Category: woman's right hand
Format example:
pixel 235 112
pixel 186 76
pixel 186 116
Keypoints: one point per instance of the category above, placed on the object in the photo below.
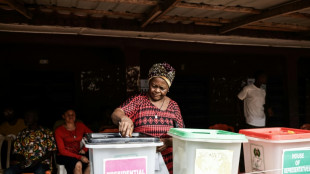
pixel 125 126
pixel 84 159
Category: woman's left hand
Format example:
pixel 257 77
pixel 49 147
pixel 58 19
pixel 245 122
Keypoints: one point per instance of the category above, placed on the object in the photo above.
pixel 84 159
pixel 167 143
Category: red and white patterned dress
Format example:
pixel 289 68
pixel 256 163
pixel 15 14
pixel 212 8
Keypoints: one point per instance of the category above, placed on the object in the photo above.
pixel 142 112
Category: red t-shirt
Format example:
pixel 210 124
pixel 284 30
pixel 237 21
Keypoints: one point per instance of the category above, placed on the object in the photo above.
pixel 68 142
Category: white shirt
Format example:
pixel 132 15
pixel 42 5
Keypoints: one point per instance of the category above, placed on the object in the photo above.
pixel 254 100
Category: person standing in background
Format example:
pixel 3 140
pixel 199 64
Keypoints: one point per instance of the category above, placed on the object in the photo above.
pixel 253 96
pixel 9 129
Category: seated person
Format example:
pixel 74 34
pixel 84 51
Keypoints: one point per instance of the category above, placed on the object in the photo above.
pixel 33 147
pixel 8 131
pixel 12 125
pixel 68 139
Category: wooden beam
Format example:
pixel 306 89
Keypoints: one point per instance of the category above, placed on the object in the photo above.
pixel 271 26
pixel 151 16
pixel 292 27
pixel 209 24
pixel 298 15
pixel 158 11
pixel 196 20
pixel 19 6
pixel 267 14
pixel 238 9
pixel 268 26
pixel 258 27
pixel 140 2
pixel 90 12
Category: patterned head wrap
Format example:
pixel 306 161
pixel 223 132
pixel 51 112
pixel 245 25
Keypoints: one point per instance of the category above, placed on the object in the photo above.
pixel 164 71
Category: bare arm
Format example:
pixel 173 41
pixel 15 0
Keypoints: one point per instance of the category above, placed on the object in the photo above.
pixel 125 124
pixel 167 143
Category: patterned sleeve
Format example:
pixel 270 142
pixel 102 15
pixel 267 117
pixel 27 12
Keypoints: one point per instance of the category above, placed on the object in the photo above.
pixel 18 149
pixel 51 144
pixel 131 106
pixel 179 119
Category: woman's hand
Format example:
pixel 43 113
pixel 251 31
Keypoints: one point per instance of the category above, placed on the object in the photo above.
pixel 125 126
pixel 25 164
pixel 167 143
pixel 82 152
pixel 84 159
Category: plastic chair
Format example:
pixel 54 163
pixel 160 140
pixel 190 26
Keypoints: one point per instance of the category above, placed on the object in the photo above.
pixel 61 169
pixel 222 127
pixel 9 140
pixel 2 138
pixel 9 143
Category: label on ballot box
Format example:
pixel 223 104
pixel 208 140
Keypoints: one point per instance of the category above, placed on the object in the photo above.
pixel 213 161
pixel 296 161
pixel 134 165
pixel 257 157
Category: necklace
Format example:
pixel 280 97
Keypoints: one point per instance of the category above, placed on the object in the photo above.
pixel 71 132
pixel 159 109
pixel 74 136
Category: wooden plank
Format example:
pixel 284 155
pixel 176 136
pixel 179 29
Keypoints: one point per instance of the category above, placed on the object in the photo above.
pixel 158 11
pixel 298 15
pixel 19 6
pixel 267 14
pixel 196 20
pixel 208 24
pixel 292 27
pixel 238 9
pixel 90 12
pixel 139 2
pixel 276 27
pixel 258 26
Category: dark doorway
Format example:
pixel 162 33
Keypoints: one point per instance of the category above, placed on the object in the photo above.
pixel 47 91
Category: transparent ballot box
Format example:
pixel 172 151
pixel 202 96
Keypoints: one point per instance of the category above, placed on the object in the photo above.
pixel 201 151
pixel 277 150
pixel 110 153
